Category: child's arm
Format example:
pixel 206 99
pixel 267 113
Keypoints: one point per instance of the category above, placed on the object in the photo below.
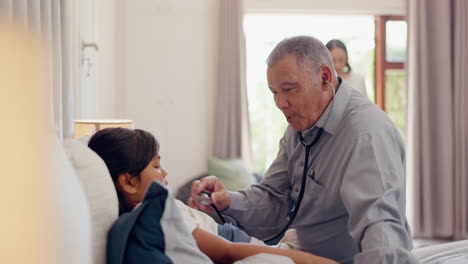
pixel 222 251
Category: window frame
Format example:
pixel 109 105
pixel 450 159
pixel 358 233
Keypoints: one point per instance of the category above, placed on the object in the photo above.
pixel 381 63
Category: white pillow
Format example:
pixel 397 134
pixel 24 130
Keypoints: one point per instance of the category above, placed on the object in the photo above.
pixel 100 193
pixel 70 212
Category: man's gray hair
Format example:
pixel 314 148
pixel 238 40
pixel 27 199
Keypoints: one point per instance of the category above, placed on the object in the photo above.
pixel 310 52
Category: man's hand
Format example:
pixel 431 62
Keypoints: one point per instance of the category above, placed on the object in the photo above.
pixel 219 195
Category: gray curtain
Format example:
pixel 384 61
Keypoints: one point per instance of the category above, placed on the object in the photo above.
pixel 438 117
pixel 47 18
pixel 231 115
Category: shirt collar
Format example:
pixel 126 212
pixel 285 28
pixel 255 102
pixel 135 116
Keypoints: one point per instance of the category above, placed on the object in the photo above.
pixel 336 107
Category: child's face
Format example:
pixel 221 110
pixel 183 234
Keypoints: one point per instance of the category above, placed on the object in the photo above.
pixel 152 172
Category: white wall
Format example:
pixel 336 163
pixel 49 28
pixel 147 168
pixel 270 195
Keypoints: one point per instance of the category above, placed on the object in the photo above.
pixel 167 57
pixel 373 7
pixel 106 37
pixel 96 95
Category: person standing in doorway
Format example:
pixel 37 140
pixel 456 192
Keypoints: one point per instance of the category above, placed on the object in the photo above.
pixel 339 54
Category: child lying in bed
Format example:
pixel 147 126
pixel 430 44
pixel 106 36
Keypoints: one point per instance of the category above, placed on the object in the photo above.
pixel 132 157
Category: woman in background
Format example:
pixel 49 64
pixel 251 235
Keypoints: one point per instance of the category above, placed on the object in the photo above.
pixel 339 54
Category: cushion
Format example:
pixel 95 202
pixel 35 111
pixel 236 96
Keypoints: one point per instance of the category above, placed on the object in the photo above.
pixel 153 232
pixel 100 193
pixel 232 173
pixel 69 209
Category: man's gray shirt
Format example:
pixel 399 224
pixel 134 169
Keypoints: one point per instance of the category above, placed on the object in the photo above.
pixel 354 201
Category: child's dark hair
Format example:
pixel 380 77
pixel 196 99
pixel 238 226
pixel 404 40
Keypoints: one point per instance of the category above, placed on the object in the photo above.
pixel 124 151
pixel 336 43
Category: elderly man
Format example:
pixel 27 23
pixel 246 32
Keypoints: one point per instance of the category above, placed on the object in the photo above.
pixel 341 164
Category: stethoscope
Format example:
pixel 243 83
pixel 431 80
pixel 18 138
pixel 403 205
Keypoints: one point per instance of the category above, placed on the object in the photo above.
pixel 308 147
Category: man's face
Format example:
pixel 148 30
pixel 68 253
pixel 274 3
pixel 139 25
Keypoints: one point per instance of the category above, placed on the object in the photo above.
pixel 295 94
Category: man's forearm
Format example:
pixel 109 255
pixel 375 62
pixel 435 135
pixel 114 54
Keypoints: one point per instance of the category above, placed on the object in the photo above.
pixel 256 207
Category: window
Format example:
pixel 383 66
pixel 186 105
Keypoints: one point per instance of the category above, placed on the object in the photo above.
pixel 390 76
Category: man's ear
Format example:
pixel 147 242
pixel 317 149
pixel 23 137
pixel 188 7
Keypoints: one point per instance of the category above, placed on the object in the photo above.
pixel 128 183
pixel 326 76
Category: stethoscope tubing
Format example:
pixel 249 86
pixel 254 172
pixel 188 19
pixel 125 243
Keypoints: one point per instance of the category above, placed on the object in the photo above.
pixel 292 216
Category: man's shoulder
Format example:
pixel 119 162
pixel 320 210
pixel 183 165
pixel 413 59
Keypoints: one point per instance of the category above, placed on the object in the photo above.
pixel 364 117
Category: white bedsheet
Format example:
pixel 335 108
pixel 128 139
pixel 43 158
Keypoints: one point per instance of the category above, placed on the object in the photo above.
pixel 447 253
pixel 265 258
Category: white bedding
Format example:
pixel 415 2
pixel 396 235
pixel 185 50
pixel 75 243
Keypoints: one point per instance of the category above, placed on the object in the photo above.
pixel 447 253
pixel 265 258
